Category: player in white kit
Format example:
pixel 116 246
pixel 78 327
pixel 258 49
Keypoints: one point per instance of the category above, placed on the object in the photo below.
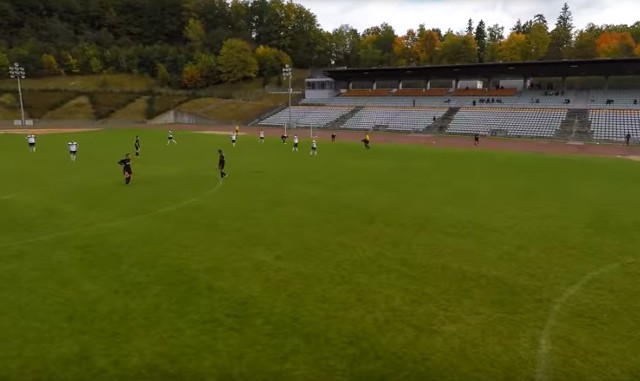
pixel 261 136
pixel 314 148
pixel 295 143
pixel 31 140
pixel 73 149
pixel 170 138
pixel 233 138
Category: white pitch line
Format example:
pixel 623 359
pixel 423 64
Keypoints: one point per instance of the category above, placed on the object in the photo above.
pixel 542 368
pixel 117 222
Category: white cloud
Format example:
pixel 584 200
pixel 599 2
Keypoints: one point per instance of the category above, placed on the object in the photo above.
pixel 453 14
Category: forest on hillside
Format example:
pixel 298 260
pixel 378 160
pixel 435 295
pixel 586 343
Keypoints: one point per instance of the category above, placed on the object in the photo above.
pixel 198 43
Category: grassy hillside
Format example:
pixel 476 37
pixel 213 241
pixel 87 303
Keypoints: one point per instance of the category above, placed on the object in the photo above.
pixel 105 104
pixel 231 110
pixel 119 82
pixel 110 92
pixel 78 108
pixel 38 103
pixel 399 263
pixel 134 111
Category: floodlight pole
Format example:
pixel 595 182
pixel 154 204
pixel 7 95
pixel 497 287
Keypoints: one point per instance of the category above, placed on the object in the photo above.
pixel 287 72
pixel 17 72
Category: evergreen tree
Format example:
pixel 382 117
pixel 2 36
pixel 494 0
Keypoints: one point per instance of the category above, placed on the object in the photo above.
pixel 481 40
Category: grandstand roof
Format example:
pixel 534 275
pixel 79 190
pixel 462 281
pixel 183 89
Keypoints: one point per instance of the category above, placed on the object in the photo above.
pixel 565 68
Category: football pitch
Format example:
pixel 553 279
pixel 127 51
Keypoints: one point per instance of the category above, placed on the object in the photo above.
pixel 404 262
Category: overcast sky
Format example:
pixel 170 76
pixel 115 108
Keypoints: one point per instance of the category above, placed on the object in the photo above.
pixel 445 14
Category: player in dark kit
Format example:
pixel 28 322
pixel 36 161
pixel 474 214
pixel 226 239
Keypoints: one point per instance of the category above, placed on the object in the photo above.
pixel 284 138
pixel 137 146
pixel 476 139
pixel 126 168
pixel 333 137
pixel 221 163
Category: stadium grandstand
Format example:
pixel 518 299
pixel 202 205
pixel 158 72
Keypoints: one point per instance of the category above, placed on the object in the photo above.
pixel 569 99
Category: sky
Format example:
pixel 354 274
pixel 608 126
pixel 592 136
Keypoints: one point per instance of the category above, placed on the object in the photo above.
pixel 453 14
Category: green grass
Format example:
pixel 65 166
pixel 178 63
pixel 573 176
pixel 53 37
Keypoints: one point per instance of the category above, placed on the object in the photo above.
pixel 77 108
pixel 106 104
pixel 398 263
pixel 120 82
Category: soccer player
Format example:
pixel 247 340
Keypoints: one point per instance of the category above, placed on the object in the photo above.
pixel 233 139
pixel 237 129
pixel 171 138
pixel 73 150
pixel 314 148
pixel 366 141
pixel 126 168
pixel 284 138
pixel 476 139
pixel 261 136
pixel 137 146
pixel 333 137
pixel 221 163
pixel 295 143
pixel 31 140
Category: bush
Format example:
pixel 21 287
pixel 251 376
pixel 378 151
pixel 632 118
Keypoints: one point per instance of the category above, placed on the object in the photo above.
pixel 9 101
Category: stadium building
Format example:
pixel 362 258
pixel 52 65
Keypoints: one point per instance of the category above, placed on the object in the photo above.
pixel 570 99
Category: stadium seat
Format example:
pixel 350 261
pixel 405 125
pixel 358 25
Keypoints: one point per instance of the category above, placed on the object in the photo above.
pixel 392 118
pixel 306 116
pixel 516 122
pixel 614 125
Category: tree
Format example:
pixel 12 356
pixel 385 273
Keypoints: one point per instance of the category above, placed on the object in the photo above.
pixel 458 48
pixel 345 43
pixel 194 32
pixel 428 46
pixel 496 36
pixel 162 75
pixel 481 40
pixel 270 61
pixel 192 77
pixel 585 43
pixel 206 64
pixel 615 45
pixel 96 65
pixel 496 33
pixel 368 54
pixel 71 64
pixel 517 28
pixel 514 48
pixel 50 65
pixel 636 51
pixel 469 26
pixel 377 45
pixel 4 65
pixel 405 49
pixel 561 36
pixel 538 40
pixel 540 19
pixel 236 61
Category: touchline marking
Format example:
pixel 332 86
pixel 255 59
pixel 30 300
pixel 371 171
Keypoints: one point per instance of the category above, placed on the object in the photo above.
pixel 542 373
pixel 118 222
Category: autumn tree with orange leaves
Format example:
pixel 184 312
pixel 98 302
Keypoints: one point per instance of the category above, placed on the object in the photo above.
pixel 615 45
